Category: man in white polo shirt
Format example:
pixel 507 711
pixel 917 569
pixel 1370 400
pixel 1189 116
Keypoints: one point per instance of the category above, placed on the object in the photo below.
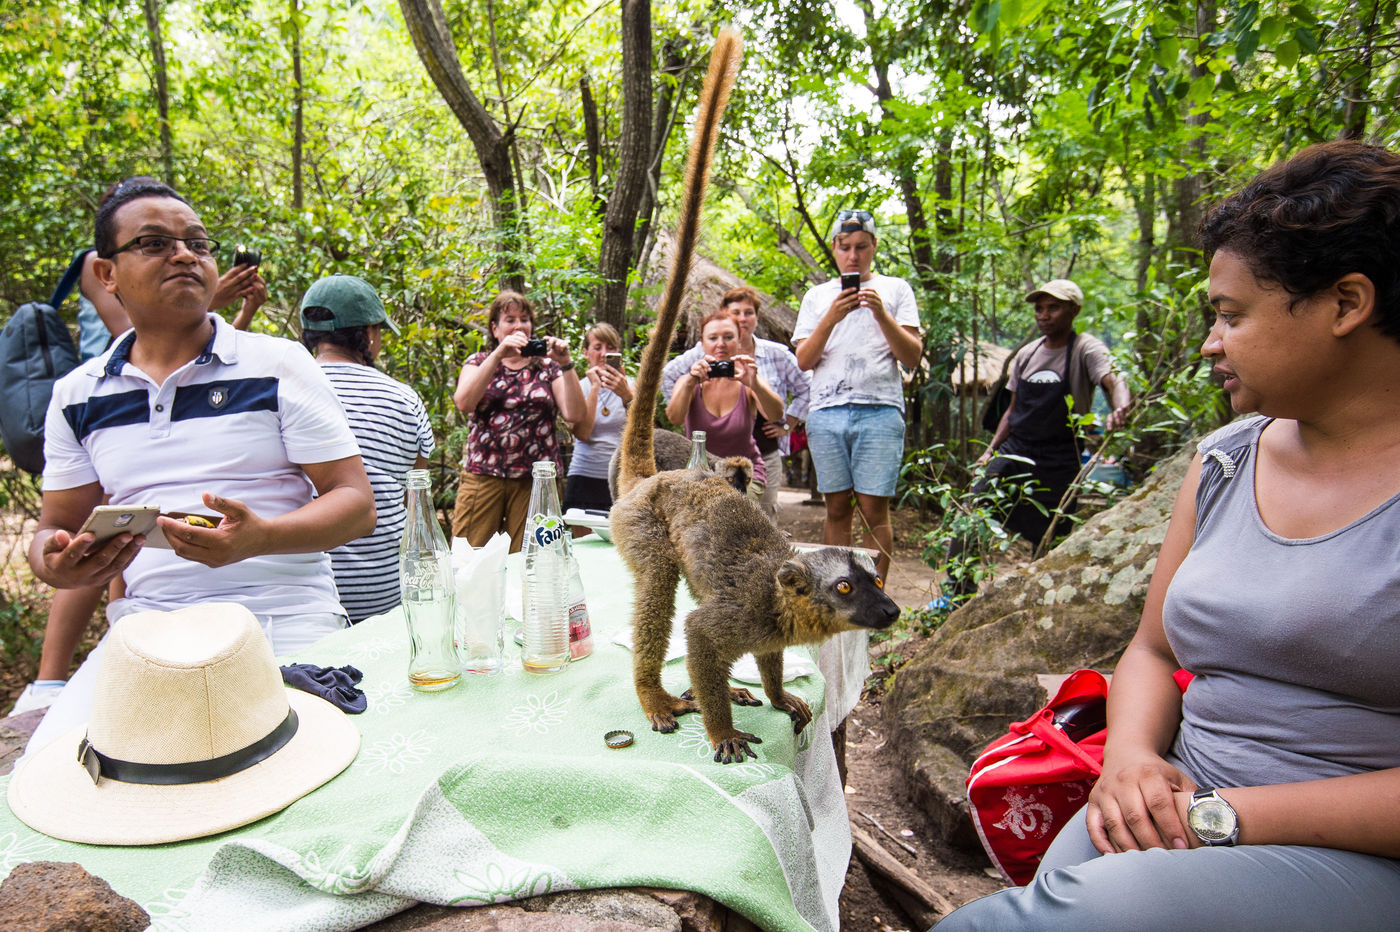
pixel 188 414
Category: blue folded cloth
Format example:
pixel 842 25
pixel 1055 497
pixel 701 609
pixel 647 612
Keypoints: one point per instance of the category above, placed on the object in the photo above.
pixel 336 685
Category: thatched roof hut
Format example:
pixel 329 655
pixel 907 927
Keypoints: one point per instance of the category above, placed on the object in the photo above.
pixel 704 287
pixel 980 368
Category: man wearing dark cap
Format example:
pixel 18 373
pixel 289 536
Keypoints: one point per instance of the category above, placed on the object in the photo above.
pixel 1050 379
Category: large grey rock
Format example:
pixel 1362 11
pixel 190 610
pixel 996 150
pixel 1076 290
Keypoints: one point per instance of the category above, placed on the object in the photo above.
pixel 1076 607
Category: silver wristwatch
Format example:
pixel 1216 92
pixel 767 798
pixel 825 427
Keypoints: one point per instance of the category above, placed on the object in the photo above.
pixel 1214 820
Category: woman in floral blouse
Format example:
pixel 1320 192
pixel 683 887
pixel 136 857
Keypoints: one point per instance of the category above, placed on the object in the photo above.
pixel 514 400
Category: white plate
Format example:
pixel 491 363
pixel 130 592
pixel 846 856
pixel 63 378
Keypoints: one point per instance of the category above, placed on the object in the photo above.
pixel 598 524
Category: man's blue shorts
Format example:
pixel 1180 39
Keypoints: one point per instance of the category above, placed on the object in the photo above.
pixel 858 447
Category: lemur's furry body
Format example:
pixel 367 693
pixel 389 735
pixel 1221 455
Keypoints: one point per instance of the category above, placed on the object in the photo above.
pixel 755 593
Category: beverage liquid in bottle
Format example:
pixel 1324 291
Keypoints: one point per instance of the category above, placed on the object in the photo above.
pixel 580 628
pixel 698 461
pixel 425 580
pixel 546 577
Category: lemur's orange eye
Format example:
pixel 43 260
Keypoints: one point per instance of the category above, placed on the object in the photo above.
pixel 879 582
pixel 843 587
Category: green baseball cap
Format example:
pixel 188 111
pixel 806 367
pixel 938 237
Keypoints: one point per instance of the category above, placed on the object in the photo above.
pixel 351 301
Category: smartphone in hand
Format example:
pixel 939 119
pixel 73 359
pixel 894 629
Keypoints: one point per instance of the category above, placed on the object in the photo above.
pixel 850 280
pixel 614 360
pixel 107 521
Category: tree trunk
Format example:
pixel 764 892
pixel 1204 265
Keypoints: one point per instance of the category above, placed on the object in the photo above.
pixel 1184 221
pixel 428 26
pixel 920 237
pixel 298 104
pixel 167 145
pixel 633 156
pixel 1145 206
pixel 590 138
pixel 663 120
pixel 1355 92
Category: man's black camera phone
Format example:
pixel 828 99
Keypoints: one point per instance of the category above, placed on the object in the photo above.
pixel 722 369
pixel 535 347
pixel 246 255
pixel 850 280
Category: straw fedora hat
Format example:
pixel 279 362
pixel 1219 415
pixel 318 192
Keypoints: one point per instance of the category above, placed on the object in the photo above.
pixel 192 733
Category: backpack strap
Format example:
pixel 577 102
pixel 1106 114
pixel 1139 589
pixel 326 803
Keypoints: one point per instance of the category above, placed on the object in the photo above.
pixel 69 279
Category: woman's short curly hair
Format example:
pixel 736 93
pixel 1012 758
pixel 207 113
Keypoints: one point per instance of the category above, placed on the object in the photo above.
pixel 1332 209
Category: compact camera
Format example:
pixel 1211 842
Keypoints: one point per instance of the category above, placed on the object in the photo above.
pixel 850 280
pixel 246 255
pixel 535 347
pixel 722 369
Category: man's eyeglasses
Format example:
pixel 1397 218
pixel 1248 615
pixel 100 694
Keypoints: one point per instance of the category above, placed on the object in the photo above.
pixel 157 245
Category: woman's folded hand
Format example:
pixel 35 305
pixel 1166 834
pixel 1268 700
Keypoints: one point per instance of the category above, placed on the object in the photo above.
pixel 1132 807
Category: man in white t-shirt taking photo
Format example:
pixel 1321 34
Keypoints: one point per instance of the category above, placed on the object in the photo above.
pixel 853 333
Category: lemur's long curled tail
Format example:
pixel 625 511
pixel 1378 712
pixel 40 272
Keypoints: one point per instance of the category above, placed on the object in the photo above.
pixel 637 453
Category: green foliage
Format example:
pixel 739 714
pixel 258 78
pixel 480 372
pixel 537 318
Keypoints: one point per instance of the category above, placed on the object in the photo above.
pixel 1017 140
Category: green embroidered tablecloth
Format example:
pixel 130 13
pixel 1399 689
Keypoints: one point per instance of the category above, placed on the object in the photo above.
pixel 502 788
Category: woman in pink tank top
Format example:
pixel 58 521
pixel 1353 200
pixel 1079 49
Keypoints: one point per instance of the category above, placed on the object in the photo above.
pixel 723 401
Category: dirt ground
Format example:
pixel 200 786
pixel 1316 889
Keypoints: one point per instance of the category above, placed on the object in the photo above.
pixel 875 793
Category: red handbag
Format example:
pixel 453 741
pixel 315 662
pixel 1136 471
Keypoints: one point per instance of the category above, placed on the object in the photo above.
pixel 1026 783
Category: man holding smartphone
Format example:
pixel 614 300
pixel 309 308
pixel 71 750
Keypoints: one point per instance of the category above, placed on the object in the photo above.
pixel 851 334
pixel 189 414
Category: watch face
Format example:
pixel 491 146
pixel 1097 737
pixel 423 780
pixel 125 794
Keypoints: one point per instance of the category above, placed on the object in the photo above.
pixel 1212 820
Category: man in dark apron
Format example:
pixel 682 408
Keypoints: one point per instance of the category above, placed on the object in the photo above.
pixel 1051 378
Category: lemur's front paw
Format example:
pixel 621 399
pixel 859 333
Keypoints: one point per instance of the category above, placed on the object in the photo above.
pixel 663 710
pixel 798 710
pixel 734 748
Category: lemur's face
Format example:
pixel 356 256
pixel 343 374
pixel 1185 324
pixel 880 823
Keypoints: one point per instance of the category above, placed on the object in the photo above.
pixel 841 589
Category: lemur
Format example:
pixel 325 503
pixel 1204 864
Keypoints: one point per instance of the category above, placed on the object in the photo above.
pixel 755 593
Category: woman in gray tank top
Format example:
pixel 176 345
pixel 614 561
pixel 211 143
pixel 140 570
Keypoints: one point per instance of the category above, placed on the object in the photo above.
pixel 1265 796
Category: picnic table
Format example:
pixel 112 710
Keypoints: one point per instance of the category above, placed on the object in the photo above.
pixel 503 788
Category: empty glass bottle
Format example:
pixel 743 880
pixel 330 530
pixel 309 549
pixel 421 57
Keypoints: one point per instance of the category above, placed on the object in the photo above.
pixel 698 460
pixel 425 579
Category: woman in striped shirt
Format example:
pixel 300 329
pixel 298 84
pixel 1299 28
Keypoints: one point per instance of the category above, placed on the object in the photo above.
pixel 341 324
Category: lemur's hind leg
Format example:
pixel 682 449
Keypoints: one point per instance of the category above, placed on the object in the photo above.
pixel 653 606
pixel 709 680
pixel 737 695
pixel 770 670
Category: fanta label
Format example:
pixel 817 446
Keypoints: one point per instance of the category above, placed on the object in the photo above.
pixel 548 531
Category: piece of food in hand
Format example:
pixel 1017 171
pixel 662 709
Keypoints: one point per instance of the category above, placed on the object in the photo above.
pixel 198 521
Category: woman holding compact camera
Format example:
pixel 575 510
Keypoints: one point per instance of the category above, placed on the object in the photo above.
pixel 514 392
pixel 722 393
pixel 598 432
